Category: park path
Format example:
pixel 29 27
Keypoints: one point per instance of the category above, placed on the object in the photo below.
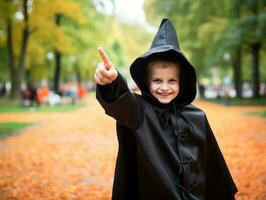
pixel 71 156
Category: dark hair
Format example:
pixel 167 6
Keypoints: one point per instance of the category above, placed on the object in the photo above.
pixel 168 56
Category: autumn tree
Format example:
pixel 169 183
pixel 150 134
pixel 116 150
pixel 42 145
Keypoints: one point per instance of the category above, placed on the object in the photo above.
pixel 15 61
pixel 58 40
pixel 28 18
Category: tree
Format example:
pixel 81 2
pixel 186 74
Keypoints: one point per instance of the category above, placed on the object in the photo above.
pixel 16 69
pixel 82 29
pixel 36 19
pixel 254 29
pixel 72 11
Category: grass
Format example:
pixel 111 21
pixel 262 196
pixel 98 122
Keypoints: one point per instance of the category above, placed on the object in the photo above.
pixel 7 128
pixel 240 101
pixel 8 106
pixel 260 113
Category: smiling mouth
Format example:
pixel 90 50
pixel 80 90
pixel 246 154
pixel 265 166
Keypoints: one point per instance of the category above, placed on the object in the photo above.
pixel 164 94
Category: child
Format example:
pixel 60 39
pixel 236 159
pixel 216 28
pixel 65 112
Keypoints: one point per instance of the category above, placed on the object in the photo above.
pixel 167 150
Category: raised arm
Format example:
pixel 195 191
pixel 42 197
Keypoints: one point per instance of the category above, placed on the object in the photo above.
pixel 114 96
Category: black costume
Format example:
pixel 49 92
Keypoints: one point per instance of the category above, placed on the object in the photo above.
pixel 166 151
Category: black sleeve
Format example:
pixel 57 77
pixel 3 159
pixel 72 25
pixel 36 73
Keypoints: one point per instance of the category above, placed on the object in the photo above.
pixel 119 103
pixel 219 182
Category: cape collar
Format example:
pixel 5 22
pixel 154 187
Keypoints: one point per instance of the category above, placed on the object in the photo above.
pixel 169 113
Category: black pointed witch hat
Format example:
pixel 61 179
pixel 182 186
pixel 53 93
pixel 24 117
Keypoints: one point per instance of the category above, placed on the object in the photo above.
pixel 166 45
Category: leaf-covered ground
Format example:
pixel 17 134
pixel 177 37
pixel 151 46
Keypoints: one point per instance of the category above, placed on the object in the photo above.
pixel 71 156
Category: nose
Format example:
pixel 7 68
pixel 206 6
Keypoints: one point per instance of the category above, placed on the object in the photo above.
pixel 164 86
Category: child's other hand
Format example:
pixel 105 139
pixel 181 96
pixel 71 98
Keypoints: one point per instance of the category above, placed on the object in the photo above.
pixel 105 72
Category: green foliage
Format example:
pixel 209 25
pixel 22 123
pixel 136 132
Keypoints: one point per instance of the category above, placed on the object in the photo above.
pixel 208 29
pixel 82 29
pixel 117 48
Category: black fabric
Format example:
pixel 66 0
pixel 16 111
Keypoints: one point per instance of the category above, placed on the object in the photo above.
pixel 166 151
pixel 156 162
pixel 112 96
pixel 166 35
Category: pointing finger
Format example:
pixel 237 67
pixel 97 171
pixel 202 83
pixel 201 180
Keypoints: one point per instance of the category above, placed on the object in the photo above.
pixel 104 57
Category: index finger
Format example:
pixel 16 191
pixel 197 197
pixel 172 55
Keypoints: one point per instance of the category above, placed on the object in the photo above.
pixel 104 56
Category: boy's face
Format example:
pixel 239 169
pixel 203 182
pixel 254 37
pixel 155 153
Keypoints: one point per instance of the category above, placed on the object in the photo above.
pixel 163 80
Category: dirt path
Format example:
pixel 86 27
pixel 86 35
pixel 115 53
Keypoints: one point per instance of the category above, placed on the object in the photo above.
pixel 72 155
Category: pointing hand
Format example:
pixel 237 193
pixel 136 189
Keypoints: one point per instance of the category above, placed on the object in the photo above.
pixel 105 72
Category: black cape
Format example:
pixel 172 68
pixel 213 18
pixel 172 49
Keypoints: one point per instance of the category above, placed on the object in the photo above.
pixel 166 152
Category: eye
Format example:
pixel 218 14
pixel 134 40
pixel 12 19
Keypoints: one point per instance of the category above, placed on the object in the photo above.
pixel 156 81
pixel 173 81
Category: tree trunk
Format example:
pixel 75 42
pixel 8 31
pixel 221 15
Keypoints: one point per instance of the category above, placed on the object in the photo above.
pixel 15 87
pixel 24 44
pixel 237 72
pixel 58 56
pixel 17 73
pixel 255 48
pixel 57 71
